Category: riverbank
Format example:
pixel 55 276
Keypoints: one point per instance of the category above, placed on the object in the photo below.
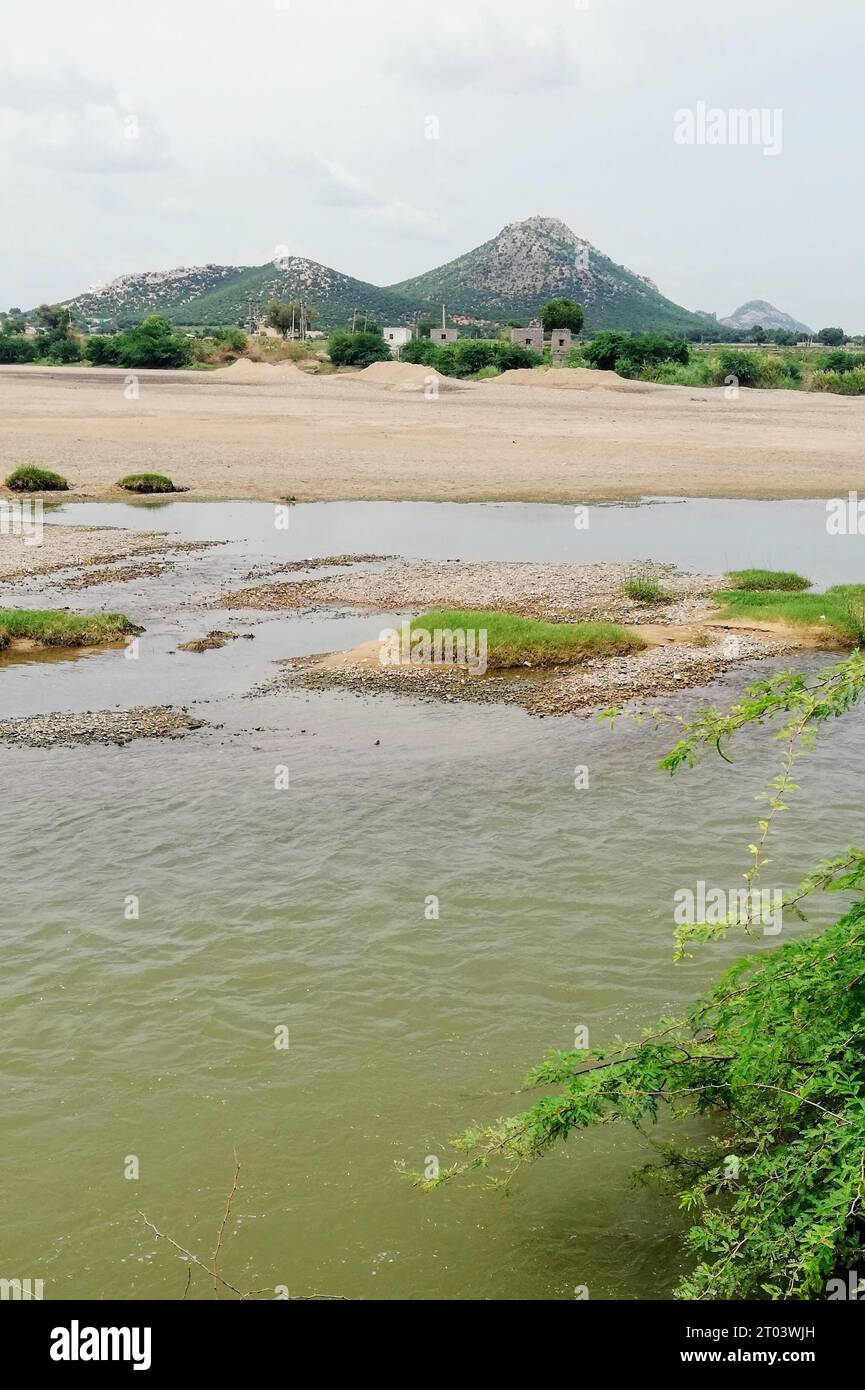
pixel 345 437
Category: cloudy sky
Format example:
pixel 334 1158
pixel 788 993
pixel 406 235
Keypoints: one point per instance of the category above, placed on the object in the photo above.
pixel 382 137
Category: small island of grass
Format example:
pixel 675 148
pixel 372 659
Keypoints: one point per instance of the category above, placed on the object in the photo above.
pixel 148 482
pixel 33 479
pixel 515 641
pixel 773 580
pixel 839 613
pixel 53 628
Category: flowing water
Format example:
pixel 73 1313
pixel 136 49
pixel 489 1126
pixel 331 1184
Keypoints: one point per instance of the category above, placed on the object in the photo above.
pixel 304 909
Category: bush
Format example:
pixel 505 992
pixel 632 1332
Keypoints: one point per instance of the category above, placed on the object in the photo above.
pixel 17 349
pixel 347 349
pixel 631 355
pixel 233 338
pixel 147 482
pixel 153 343
pixel 102 351
pixel 744 366
pixel 841 383
pixel 469 356
pixel 562 313
pixel 420 350
pixel 603 350
pixel 756 580
pixel 60 350
pixel 32 479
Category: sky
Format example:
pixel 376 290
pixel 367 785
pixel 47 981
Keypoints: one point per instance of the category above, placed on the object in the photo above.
pixel 384 137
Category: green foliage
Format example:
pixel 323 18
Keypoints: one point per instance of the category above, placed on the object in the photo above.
pixel 469 356
pixel 17 349
pixel 645 587
pixel 744 366
pixel 839 360
pixel 102 351
pixel 562 313
pixel 832 337
pixel 630 355
pixel 57 628
pixel 516 641
pixel 770 1058
pixel 33 479
pixel 347 349
pixel 55 342
pixel 153 343
pixel 850 382
pixel 147 482
pixel 768 579
pixel 839 613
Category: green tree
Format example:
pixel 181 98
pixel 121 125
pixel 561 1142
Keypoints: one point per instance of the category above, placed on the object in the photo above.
pixel 347 349
pixel 153 343
pixel 832 337
pixel 562 313
pixel 771 1055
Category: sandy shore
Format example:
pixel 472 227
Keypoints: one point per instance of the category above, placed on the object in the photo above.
pixel 353 437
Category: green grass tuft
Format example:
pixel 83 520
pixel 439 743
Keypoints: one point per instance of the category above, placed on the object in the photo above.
pixel 147 482
pixel 773 580
pixel 513 641
pixel 645 587
pixel 32 479
pixel 53 628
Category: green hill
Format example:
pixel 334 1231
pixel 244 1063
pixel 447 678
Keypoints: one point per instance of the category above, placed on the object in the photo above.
pixel 528 263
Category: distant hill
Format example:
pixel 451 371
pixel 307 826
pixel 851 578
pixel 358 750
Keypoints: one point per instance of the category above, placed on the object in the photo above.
pixel 334 296
pixel 759 313
pixel 509 277
pixel 532 261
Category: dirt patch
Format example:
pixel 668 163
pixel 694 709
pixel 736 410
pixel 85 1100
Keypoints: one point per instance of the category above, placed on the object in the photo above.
pixel 572 379
pixel 212 642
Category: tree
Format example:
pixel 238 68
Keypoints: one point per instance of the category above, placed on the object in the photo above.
pixel 153 343
pixel 832 337
pixel 772 1053
pixel 562 313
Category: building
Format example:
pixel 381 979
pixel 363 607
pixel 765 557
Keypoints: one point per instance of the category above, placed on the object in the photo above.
pixel 444 335
pixel 560 343
pixel 532 338
pixel 396 338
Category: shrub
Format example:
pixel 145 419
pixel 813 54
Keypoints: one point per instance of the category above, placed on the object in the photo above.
pixel 102 351
pixel 153 343
pixel 562 313
pixel 509 357
pixel 17 349
pixel 840 383
pixel 147 482
pixel 347 349
pixel 32 479
pixel 604 348
pixel 744 366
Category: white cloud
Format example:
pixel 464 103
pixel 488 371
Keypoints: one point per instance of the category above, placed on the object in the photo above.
pixel 484 51
pixel 74 125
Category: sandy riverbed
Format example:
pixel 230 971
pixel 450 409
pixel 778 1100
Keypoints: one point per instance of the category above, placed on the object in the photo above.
pixel 356 437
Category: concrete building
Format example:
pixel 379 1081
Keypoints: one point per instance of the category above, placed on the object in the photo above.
pixel 444 335
pixel 560 343
pixel 396 338
pixel 532 338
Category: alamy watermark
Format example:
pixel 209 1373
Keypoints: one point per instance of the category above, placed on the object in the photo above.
pixel 22 518
pixel 735 907
pixel 712 125
pixel 464 648
pixel 845 516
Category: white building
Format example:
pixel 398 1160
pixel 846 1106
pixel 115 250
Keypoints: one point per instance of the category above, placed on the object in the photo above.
pixel 396 338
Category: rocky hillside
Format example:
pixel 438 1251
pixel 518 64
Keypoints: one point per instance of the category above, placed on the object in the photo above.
pixel 759 313
pixel 530 262
pixel 128 298
pixel 334 296
pixel 509 277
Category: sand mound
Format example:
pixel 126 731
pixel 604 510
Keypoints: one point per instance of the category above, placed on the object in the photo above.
pixel 408 376
pixel 246 373
pixel 572 379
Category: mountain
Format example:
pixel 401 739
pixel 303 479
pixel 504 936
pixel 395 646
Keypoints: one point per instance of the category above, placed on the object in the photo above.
pixel 758 313
pixel 532 261
pixel 128 298
pixel 334 296
pixel 510 276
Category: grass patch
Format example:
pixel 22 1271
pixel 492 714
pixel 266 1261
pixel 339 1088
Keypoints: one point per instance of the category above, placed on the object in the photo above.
pixel 514 641
pixel 53 628
pixel 774 580
pixel 147 482
pixel 840 611
pixel 32 479
pixel 645 587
